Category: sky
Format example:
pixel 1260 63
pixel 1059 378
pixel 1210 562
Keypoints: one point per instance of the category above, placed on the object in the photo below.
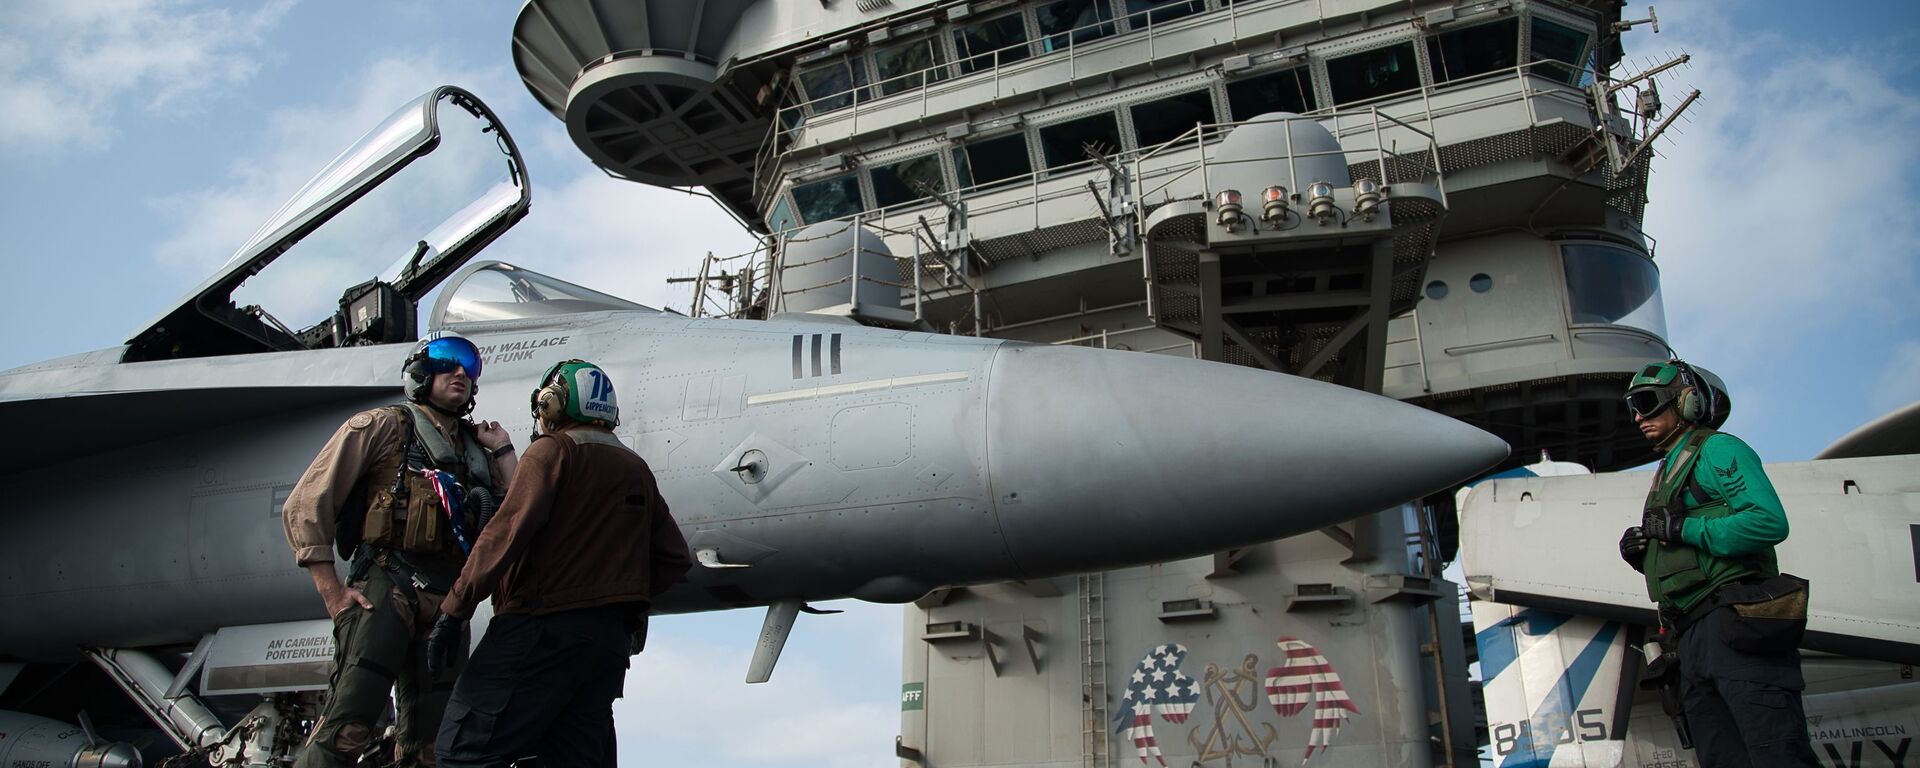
pixel 142 141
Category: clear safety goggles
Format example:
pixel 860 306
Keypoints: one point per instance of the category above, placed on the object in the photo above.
pixel 444 355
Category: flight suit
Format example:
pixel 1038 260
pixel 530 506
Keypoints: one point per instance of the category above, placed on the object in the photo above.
pixel 572 561
pixel 1743 707
pixel 412 554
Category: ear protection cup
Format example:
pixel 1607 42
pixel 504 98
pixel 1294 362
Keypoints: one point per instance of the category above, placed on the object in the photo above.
pixel 1692 404
pixel 549 402
pixel 1689 405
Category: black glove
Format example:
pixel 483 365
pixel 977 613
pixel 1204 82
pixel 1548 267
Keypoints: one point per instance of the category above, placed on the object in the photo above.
pixel 444 643
pixel 1633 548
pixel 1663 525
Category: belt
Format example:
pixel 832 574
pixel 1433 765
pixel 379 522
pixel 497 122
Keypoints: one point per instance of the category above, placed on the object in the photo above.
pixel 406 575
pixel 1680 621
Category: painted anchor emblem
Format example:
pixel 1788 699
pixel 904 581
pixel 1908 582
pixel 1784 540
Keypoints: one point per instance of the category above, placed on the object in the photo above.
pixel 1224 693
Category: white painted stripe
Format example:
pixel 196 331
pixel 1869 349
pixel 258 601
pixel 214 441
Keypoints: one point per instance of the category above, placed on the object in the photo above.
pixel 856 387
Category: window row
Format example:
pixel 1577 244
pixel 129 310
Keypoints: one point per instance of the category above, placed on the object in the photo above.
pixel 1561 52
pixel 1453 55
pixel 1013 156
pixel 973 44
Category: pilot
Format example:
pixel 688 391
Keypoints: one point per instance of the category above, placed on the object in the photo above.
pixel 581 546
pixel 1705 545
pixel 402 490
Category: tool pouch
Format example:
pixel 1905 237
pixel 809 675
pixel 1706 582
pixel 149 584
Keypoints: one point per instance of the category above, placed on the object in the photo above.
pixel 1769 616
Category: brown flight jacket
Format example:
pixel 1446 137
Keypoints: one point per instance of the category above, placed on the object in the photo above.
pixel 583 525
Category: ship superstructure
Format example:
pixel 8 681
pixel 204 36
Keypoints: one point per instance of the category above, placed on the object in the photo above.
pixel 1438 201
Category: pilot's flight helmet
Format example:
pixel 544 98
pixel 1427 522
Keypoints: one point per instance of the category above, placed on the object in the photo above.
pixel 575 390
pixel 439 352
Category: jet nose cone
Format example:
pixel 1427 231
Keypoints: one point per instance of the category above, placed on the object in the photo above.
pixel 1100 459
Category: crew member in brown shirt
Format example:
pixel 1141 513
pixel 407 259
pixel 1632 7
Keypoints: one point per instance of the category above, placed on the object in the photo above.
pixel 391 489
pixel 574 557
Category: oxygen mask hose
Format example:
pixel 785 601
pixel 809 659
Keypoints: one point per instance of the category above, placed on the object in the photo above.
pixel 481 501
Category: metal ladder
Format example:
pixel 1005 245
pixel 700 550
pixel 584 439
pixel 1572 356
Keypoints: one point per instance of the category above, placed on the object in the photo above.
pixel 1093 672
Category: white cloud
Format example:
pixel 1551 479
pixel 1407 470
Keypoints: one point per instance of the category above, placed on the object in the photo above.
pixel 1899 383
pixel 686 703
pixel 611 235
pixel 620 237
pixel 1781 211
pixel 298 140
pixel 66 66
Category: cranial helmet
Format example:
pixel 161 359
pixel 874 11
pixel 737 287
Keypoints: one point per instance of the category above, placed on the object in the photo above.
pixel 1698 399
pixel 440 352
pixel 575 390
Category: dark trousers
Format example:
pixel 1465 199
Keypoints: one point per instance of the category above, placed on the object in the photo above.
pixel 376 652
pixel 1743 708
pixel 539 685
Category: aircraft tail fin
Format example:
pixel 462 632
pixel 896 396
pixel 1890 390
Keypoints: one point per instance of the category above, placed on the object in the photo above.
pixel 1557 689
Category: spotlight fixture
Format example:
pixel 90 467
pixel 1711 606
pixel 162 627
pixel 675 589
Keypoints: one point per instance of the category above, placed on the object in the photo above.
pixel 1228 204
pixel 1366 198
pixel 1320 202
pixel 1273 206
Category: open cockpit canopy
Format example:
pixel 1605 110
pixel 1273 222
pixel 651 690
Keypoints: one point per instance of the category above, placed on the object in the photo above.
pixel 491 290
pixel 348 258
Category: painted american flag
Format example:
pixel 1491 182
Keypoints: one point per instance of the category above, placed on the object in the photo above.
pixel 1305 676
pixel 1157 686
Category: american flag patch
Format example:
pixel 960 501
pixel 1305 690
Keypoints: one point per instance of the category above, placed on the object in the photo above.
pixel 1305 676
pixel 1157 686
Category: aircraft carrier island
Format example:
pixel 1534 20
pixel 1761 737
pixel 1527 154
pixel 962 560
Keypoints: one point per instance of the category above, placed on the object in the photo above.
pixel 1436 201
pixel 1140 349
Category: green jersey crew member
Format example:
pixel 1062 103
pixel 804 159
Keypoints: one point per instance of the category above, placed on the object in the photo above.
pixel 581 546
pixel 395 489
pixel 1705 545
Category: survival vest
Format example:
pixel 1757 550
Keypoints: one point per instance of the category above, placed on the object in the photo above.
pixel 1679 575
pixel 405 513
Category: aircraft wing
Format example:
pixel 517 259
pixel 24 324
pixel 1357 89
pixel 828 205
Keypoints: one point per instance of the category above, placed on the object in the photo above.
pixel 63 425
pixel 69 405
pixel 1549 542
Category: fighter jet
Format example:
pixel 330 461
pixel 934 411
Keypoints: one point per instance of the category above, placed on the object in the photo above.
pixel 806 458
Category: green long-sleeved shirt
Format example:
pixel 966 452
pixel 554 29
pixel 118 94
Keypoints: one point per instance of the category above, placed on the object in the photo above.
pixel 1729 469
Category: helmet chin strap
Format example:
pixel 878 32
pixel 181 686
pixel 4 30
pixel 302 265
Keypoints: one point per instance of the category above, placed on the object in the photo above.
pixel 428 402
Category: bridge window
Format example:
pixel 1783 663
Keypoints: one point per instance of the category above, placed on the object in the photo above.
pixel 988 44
pixel 1563 48
pixel 907 66
pixel 1142 12
pixel 828 199
pixel 1461 53
pixel 1289 90
pixel 991 160
pixel 1372 74
pixel 1158 122
pixel 833 85
pixel 1079 139
pixel 1613 285
pixel 908 180
pixel 1074 22
pixel 781 218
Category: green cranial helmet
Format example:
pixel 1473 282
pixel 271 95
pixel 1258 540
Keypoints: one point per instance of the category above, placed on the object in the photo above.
pixel 578 391
pixel 1660 375
pixel 1700 398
